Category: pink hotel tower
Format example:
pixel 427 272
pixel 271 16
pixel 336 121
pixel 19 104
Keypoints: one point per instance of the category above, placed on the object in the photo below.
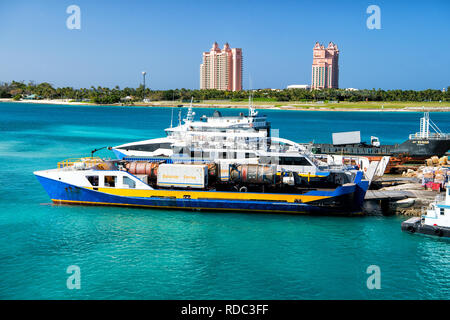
pixel 221 69
pixel 325 67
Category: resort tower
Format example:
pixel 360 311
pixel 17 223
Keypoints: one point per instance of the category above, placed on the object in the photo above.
pixel 325 67
pixel 221 69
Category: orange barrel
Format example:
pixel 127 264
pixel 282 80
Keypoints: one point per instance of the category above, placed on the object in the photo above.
pixel 130 166
pixel 152 170
pixel 254 173
pixel 142 167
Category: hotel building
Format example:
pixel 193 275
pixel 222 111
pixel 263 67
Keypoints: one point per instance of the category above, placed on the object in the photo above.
pixel 221 69
pixel 325 67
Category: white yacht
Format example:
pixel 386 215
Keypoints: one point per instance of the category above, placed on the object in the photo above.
pixel 224 139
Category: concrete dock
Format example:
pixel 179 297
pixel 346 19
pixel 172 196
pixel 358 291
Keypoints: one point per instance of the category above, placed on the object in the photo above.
pixel 402 197
pixel 388 195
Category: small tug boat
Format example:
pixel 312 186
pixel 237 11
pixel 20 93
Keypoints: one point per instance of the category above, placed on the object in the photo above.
pixel 199 186
pixel 437 220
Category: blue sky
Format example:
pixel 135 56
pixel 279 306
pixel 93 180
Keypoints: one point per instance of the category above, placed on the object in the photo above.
pixel 119 39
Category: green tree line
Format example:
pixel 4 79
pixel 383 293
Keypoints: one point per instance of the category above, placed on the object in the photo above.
pixel 104 95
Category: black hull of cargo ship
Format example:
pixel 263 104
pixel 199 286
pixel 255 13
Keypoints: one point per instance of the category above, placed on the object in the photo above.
pixel 414 148
pixel 423 148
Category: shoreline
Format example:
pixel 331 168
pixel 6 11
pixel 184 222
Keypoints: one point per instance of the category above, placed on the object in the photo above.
pixel 369 106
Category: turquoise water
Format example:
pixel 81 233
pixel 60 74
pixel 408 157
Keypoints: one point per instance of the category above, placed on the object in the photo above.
pixel 155 254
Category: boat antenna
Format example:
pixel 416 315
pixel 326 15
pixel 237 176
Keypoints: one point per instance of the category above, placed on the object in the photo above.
pixel 190 114
pixel 173 102
pixel 251 109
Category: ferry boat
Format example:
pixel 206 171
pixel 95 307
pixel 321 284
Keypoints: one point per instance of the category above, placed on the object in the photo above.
pixel 199 186
pixel 217 163
pixel 436 222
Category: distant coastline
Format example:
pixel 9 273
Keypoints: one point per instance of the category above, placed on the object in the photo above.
pixel 399 106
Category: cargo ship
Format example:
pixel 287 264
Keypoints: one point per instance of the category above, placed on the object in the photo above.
pixel 429 141
pixel 199 186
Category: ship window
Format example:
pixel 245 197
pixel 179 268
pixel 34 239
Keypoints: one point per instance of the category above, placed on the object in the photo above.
pixel 149 147
pixel 294 161
pixel 269 160
pixel 129 182
pixel 442 211
pixel 110 181
pixel 93 180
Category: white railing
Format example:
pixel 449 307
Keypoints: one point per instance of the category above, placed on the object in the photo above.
pixel 431 136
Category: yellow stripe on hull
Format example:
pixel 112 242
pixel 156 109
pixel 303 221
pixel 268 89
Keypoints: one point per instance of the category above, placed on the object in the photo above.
pixel 211 195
